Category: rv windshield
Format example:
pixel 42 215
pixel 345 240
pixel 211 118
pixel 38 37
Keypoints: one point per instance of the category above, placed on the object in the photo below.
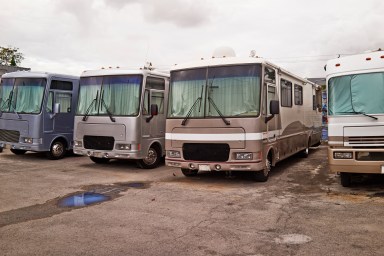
pixel 22 95
pixel 5 93
pixel 356 94
pixel 118 95
pixel 227 91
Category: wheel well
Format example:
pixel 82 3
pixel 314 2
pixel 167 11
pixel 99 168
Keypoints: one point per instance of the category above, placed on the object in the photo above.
pixel 157 146
pixel 61 139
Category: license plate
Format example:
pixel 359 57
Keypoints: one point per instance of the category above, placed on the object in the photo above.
pixel 204 167
pixel 382 169
pixel 97 154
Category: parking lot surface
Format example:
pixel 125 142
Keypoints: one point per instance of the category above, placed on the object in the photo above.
pixel 46 208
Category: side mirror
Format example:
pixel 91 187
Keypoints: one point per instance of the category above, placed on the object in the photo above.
pixel 274 109
pixel 56 110
pixel 154 112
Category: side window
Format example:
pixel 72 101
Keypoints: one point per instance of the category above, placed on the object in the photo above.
pixel 269 88
pixel 49 107
pixel 65 100
pixel 61 85
pixel 298 94
pixel 146 103
pixel 158 98
pixel 286 93
pixel 155 83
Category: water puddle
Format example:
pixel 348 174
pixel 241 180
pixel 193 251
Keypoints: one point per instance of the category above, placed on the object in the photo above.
pixel 89 196
pixel 83 199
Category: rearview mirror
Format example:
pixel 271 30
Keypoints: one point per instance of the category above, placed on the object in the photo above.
pixel 154 112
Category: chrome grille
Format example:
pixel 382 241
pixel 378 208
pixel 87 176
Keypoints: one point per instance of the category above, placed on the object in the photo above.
pixel 9 136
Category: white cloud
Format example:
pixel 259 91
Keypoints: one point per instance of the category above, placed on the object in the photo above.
pixel 72 35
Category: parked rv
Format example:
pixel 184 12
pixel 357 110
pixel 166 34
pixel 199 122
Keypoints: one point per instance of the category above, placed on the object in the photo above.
pixel 37 112
pixel 229 113
pixel 355 86
pixel 121 115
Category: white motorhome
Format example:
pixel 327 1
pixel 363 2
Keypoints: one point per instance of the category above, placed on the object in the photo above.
pixel 229 113
pixel 355 87
pixel 121 115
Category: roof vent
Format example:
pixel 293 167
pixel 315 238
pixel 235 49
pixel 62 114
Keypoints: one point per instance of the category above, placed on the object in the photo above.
pixel 223 52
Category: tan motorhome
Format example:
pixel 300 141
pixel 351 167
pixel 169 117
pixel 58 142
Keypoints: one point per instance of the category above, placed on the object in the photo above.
pixel 228 113
pixel 355 86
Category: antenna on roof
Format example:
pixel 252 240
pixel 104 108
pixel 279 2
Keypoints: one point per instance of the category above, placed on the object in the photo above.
pixel 148 66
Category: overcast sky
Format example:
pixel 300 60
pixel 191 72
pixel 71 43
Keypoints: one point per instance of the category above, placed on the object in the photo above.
pixel 69 36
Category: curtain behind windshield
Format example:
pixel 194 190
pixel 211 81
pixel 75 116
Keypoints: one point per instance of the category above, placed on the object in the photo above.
pixel 28 95
pixel 230 90
pixel 5 91
pixel 89 88
pixel 187 87
pixel 356 93
pixel 121 95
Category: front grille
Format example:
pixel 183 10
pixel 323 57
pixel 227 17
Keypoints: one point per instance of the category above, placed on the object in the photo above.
pixel 212 152
pixel 9 136
pixel 98 142
pixel 365 140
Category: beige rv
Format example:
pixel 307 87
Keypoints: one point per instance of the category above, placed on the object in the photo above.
pixel 228 113
pixel 355 87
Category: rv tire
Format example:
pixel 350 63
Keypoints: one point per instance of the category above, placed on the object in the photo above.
pixel 263 175
pixel 345 179
pixel 189 172
pixel 18 151
pixel 98 160
pixel 57 150
pixel 152 159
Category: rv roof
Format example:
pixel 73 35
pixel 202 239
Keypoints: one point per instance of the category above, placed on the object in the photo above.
pixel 234 61
pixel 369 61
pixel 122 71
pixel 35 74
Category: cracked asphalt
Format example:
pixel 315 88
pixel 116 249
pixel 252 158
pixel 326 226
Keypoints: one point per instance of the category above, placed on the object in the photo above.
pixel 301 210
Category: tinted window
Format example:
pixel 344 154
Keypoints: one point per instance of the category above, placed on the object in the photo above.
pixel 286 93
pixel 155 83
pixel 61 85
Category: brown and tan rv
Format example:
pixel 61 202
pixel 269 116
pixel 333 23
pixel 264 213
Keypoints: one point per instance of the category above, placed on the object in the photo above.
pixel 228 113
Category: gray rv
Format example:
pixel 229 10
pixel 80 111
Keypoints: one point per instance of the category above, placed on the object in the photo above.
pixel 37 112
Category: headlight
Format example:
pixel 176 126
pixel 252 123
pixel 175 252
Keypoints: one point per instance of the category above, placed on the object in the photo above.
pixel 243 156
pixel 123 146
pixel 78 143
pixel 28 140
pixel 173 154
pixel 342 155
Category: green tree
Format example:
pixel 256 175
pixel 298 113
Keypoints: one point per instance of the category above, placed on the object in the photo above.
pixel 10 56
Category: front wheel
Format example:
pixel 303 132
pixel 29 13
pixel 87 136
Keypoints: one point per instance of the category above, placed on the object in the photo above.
pixel 345 179
pixel 152 159
pixel 263 175
pixel 18 151
pixel 189 172
pixel 57 150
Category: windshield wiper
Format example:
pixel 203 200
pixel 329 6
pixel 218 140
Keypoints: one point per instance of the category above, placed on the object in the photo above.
pixel 85 117
pixel 10 105
pixel 106 108
pixel 218 111
pixel 213 103
pixel 199 99
pixel 358 113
